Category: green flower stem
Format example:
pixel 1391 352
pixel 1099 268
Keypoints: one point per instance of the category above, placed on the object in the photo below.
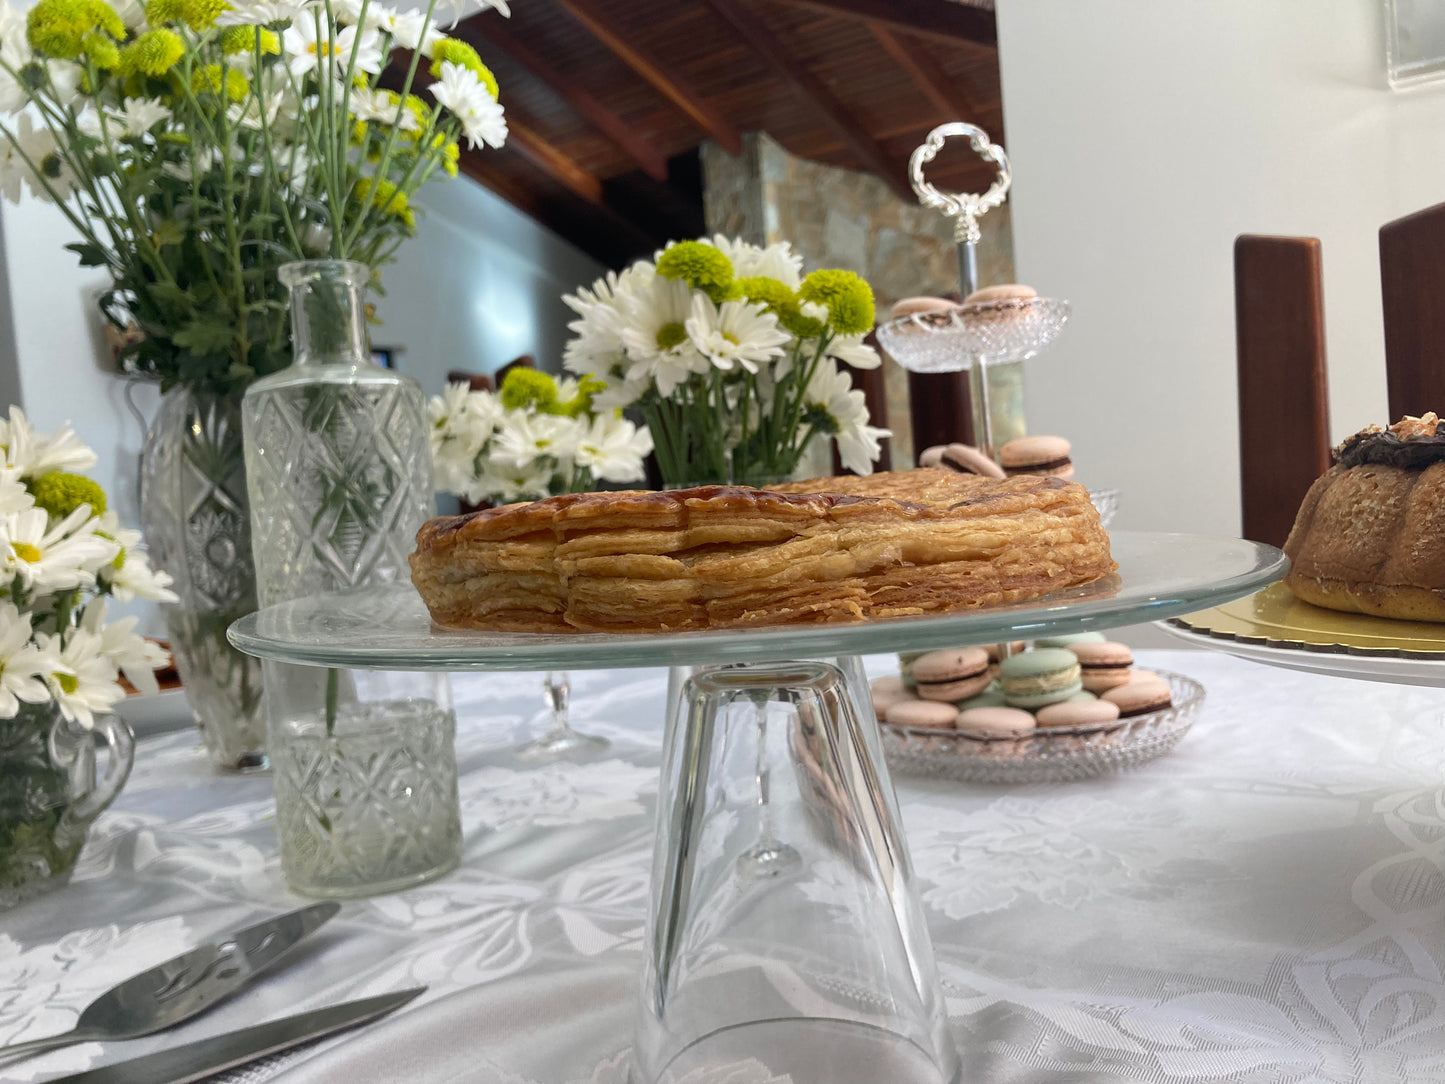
pixel 333 690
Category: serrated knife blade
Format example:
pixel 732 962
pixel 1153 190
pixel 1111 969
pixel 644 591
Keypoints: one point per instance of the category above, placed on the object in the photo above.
pixel 204 1057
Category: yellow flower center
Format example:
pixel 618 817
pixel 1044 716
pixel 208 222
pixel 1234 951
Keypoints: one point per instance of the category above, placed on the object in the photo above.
pixel 26 552
pixel 68 683
pixel 670 335
pixel 730 337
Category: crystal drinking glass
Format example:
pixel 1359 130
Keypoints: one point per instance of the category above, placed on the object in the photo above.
pixel 560 742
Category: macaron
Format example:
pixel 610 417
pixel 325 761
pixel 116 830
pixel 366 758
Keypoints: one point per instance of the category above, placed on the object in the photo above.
pixel 955 673
pixel 995 722
pixel 964 458
pixel 1038 455
pixel 1078 713
pixel 1104 666
pixel 906 659
pixel 1014 647
pixel 1071 639
pixel 991 697
pixel 886 691
pixel 912 306
pixel 1004 291
pixel 1035 678
pixel 929 714
pixel 1146 691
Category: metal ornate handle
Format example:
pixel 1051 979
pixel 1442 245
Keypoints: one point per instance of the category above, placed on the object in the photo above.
pixel 964 207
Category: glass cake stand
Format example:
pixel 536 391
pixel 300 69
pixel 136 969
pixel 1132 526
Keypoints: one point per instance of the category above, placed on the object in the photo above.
pixel 388 628
pixel 784 925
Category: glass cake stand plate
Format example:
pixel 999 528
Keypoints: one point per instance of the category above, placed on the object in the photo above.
pixel 1272 626
pixel 388 628
pixel 947 340
pixel 1049 754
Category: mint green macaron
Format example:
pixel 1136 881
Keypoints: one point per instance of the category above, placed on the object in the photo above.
pixel 991 697
pixel 1039 677
pixel 1072 638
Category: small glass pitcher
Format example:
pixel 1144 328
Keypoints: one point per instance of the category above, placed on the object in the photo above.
pixel 50 794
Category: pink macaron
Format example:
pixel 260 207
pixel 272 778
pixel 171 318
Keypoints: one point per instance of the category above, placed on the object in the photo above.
pixel 886 691
pixel 963 458
pixel 1038 455
pixel 1104 666
pixel 1146 691
pixel 1004 291
pixel 1078 713
pixel 995 722
pixel 912 306
pixel 928 714
pixel 955 673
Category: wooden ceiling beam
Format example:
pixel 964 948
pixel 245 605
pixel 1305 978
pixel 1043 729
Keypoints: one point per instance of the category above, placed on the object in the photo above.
pixel 653 69
pixel 599 115
pixel 554 163
pixel 943 19
pixel 942 90
pixel 763 41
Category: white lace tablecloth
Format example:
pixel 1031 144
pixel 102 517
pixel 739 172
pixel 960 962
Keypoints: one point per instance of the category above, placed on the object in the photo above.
pixel 1264 905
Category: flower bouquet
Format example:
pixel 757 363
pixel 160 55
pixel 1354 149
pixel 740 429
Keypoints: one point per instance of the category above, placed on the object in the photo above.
pixel 732 357
pixel 63 556
pixel 535 438
pixel 198 145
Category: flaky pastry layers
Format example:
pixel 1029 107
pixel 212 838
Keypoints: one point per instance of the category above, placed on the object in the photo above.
pixel 827 550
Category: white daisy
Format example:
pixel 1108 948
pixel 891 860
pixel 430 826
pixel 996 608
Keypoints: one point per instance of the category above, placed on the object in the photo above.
pixel 23 666
pixel 523 438
pixel 129 574
pixel 737 333
pixel 84 681
pixel 139 115
pixel 655 318
pixel 14 497
pixel 406 31
pixel 777 261
pixel 384 107
pixel 348 13
pixel 504 484
pixel 613 448
pixel 33 454
pixel 305 48
pixel 15 52
pixel 462 92
pixel 852 350
pixel 858 447
pixel 259 12
pixel 131 653
pixel 65 556
pixel 831 390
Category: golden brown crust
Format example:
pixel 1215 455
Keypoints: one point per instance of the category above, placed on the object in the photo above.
pixel 840 549
pixel 1367 539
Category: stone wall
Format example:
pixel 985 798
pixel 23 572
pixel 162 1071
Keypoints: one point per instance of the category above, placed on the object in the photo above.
pixel 841 218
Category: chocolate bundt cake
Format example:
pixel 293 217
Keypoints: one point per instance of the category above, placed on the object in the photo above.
pixel 1370 535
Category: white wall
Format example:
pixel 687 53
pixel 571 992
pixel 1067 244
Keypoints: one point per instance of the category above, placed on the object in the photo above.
pixel 480 284
pixel 1144 137
pixel 52 356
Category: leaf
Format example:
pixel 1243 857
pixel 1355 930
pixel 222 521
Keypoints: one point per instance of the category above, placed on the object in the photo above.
pixel 91 255
pixel 202 336
pixel 169 232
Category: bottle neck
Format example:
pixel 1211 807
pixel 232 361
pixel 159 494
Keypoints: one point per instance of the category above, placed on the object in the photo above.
pixel 328 315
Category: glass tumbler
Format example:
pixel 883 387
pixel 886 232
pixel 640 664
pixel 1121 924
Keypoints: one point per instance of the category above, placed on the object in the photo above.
pixel 785 931
pixel 366 779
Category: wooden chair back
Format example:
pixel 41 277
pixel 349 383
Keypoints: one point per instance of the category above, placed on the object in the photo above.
pixel 1412 287
pixel 1284 439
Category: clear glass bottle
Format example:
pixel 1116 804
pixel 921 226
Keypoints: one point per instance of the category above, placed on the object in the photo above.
pixel 338 468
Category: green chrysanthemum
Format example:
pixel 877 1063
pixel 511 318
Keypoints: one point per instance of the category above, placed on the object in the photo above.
pixel 160 12
pixel 243 39
pixel 201 14
pixel 450 50
pixel 58 28
pixel 700 265
pixel 102 51
pixel 782 302
pixel 212 80
pixel 581 403
pixel 524 388
pixel 451 158
pixel 61 493
pixel 849 299
pixel 384 194
pixel 153 53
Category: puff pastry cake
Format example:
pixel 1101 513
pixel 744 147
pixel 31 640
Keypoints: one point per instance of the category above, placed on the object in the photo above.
pixel 827 550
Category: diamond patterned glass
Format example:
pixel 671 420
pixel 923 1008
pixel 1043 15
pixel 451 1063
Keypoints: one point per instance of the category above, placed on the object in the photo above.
pixel 196 517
